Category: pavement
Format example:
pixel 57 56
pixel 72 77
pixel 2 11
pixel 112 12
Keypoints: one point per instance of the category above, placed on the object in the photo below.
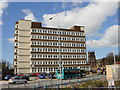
pixel 44 82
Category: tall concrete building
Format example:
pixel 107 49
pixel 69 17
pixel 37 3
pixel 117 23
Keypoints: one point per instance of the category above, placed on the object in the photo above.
pixel 36 48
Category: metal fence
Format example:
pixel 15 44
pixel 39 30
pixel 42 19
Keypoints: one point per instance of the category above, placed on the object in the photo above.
pixel 65 83
pixel 41 84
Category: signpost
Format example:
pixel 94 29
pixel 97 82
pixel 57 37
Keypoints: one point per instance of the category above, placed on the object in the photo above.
pixel 113 74
pixel 111 82
pixel 113 71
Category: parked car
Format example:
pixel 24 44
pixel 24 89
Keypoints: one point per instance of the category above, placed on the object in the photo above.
pixel 52 76
pixel 25 77
pixel 17 79
pixel 7 77
pixel 83 73
pixel 41 76
pixel 32 74
pixel 21 75
pixel 28 75
pixel 35 74
pixel 101 71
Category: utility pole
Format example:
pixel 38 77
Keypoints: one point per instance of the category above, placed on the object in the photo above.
pixel 60 61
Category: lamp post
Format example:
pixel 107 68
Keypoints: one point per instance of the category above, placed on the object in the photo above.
pixel 60 61
pixel 114 55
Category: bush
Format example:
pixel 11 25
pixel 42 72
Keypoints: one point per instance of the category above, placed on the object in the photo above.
pixel 117 83
pixel 97 83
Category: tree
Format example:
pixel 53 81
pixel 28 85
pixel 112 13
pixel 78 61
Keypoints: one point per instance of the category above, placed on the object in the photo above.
pixel 109 60
pixel 118 57
pixel 5 66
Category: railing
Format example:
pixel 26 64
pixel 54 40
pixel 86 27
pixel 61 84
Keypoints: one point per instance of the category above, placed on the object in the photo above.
pixel 65 83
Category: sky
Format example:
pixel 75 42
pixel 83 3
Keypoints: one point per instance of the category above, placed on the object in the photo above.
pixel 99 18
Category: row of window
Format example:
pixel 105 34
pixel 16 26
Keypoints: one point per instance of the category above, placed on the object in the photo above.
pixel 57 62
pixel 53 69
pixel 57 38
pixel 57 44
pixel 56 50
pixel 56 32
pixel 57 56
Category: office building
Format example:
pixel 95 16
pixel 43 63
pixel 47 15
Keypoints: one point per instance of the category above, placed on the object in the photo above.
pixel 36 48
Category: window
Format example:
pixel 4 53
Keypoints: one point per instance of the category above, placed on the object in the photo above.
pixel 48 62
pixel 16 44
pixel 16 32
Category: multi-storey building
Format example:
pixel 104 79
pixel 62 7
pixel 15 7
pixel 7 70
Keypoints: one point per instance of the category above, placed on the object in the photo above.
pixel 37 48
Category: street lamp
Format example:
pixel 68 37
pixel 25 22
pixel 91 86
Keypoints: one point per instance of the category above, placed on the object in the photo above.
pixel 60 62
pixel 114 55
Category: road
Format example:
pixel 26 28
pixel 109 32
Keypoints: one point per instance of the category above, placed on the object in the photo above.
pixel 44 82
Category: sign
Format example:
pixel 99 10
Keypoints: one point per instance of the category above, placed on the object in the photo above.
pixel 115 72
pixel 111 82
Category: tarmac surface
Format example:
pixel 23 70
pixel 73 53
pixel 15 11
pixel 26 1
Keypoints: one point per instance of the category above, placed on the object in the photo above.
pixel 44 82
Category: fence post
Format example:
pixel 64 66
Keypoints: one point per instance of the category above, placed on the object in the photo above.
pixel 66 85
pixel 69 79
pixel 58 86
pixel 89 87
pixel 76 79
pixel 24 85
pixel 51 80
pixel 38 82
pixel 8 86
pixel 34 87
pixel 73 86
pixel 45 87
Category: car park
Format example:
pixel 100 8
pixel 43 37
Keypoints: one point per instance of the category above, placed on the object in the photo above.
pixel 17 80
